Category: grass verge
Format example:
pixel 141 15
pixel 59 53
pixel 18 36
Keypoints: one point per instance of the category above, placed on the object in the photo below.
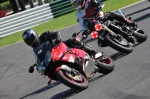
pixel 63 21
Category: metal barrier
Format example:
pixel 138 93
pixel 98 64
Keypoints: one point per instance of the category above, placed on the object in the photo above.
pixel 32 17
pixel 25 19
pixel 61 7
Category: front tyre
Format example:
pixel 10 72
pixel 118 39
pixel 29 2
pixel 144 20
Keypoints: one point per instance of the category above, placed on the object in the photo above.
pixel 105 64
pixel 119 44
pixel 78 82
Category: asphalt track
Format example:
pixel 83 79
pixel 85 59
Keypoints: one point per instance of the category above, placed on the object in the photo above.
pixel 129 80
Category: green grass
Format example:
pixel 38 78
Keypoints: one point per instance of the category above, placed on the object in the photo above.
pixel 63 21
pixel 4 3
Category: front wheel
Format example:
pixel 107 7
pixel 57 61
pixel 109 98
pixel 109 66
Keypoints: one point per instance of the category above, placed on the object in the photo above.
pixel 77 81
pixel 105 64
pixel 119 43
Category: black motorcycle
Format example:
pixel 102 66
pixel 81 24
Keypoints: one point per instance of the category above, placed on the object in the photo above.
pixel 130 33
pixel 100 30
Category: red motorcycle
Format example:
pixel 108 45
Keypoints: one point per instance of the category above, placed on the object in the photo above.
pixel 71 66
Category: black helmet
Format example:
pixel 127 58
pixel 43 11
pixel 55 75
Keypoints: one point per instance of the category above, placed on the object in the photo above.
pixel 31 38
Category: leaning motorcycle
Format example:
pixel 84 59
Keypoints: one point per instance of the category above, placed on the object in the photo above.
pixel 130 33
pixel 71 66
pixel 106 37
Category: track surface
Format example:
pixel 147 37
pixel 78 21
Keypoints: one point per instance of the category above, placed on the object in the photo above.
pixel 129 80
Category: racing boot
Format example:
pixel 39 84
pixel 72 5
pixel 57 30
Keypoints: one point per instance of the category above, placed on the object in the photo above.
pixel 85 35
pixel 129 22
pixel 93 53
pixel 125 20
pixel 49 82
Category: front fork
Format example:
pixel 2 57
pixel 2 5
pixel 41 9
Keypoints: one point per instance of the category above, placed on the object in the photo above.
pixel 128 35
pixel 73 72
pixel 110 31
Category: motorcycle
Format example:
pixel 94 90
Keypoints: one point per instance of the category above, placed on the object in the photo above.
pixel 71 66
pixel 130 33
pixel 106 37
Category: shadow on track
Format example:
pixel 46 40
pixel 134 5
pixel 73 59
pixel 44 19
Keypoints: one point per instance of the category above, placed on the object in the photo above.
pixel 119 55
pixel 142 17
pixel 72 92
pixel 61 95
pixel 138 11
pixel 42 89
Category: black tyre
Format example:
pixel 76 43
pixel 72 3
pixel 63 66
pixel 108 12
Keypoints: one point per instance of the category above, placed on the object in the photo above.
pixel 140 35
pixel 78 82
pixel 105 64
pixel 121 44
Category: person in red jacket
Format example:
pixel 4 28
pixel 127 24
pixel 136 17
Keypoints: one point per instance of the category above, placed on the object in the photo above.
pixel 87 9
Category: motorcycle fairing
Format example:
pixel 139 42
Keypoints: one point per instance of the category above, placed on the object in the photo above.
pixel 78 57
pixel 89 66
pixel 119 12
pixel 62 52
pixel 42 55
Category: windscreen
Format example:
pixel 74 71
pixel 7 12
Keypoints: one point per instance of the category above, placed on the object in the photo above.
pixel 42 55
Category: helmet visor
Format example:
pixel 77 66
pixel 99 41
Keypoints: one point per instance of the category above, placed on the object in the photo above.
pixel 29 39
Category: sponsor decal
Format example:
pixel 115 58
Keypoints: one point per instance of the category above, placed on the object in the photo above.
pixel 40 51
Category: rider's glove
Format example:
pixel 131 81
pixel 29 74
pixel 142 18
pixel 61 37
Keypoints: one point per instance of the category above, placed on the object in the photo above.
pixel 74 34
pixel 104 19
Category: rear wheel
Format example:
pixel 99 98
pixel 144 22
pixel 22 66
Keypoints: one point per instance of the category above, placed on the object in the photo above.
pixel 105 64
pixel 77 81
pixel 140 35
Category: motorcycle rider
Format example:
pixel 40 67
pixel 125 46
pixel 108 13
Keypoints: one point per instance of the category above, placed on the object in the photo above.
pixel 87 9
pixel 53 38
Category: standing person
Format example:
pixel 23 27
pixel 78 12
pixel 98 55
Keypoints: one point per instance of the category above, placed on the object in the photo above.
pixel 40 2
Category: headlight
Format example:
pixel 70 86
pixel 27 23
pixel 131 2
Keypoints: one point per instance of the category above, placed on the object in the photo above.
pixel 41 69
pixel 94 34
pixel 98 27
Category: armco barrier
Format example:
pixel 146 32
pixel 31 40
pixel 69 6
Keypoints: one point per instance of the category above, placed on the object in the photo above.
pixel 61 7
pixel 25 19
pixel 32 17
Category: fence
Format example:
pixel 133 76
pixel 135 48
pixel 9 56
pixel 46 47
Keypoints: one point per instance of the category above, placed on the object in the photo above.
pixel 32 17
pixel 25 19
pixel 61 7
